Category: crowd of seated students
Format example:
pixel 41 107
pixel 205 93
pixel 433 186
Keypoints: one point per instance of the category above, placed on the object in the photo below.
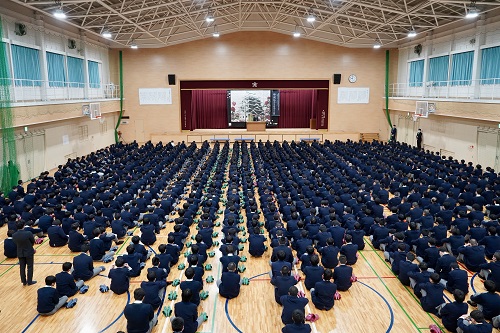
pixel 318 200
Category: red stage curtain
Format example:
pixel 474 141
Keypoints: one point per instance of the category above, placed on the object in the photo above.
pixel 209 109
pixel 296 108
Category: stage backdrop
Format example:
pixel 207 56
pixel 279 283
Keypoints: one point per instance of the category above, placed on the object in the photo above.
pixel 209 104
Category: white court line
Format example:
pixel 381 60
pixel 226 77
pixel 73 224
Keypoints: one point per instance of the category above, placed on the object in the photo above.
pixel 308 308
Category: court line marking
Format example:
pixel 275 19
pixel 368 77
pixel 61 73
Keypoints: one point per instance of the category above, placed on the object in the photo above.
pixel 119 316
pixel 410 292
pixel 472 283
pixel 386 302
pixel 31 323
pixel 390 292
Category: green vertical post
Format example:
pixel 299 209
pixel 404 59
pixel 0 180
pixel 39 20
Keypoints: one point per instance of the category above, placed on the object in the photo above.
pixel 387 88
pixel 117 137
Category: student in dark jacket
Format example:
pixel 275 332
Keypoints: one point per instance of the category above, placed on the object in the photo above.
pixel 148 233
pixel 256 241
pixel 491 270
pixel 76 239
pixel 57 237
pixel 488 302
pixel 349 250
pixel 189 312
pixel 329 254
pixel 231 257
pixel 432 294
pixel 48 300
pixel 84 266
pixel 342 275
pixel 324 291
pixel 195 286
pixel 418 279
pixel 172 249
pixel 474 323
pixel 454 310
pixel 292 302
pixel 141 317
pixel 443 264
pixel 491 242
pixel 155 290
pixel 405 267
pixel 133 259
pixel 457 279
pixel 161 273
pixel 282 283
pixel 65 283
pixel 141 249
pixel 97 248
pixel 120 274
pixel 472 255
pixel 298 326
pixel 431 255
pixel 313 273
pixel 230 282
pixel 9 247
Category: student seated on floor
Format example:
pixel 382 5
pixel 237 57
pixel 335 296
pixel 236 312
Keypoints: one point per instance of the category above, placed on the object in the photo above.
pixel 65 283
pixel 299 325
pixel 48 301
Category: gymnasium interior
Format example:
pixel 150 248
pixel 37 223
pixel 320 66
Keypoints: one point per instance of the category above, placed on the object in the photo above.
pixel 282 118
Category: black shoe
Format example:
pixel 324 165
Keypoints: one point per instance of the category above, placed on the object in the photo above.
pixel 119 242
pixel 31 283
pixel 169 283
pixel 471 303
pixel 24 284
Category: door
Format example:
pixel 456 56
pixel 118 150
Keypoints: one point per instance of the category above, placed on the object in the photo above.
pixel 488 148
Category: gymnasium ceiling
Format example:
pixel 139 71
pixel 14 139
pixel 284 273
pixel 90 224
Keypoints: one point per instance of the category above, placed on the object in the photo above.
pixel 351 23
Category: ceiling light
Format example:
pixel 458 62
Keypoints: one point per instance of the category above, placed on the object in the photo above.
pixel 216 32
pixel 133 45
pixel 59 14
pixel 377 45
pixel 210 18
pixel 412 33
pixel 311 18
pixel 472 12
pixel 106 33
pixel 296 32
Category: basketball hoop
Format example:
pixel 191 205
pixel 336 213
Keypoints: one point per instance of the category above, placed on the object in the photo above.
pixel 415 117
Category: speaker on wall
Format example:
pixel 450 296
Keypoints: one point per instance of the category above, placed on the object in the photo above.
pixel 336 78
pixel 171 79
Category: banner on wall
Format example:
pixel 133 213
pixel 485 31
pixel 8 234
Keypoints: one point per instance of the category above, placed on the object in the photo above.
pixel 353 96
pixel 155 96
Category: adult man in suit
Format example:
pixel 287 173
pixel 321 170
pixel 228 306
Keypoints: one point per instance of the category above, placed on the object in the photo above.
pixel 141 317
pixel 419 139
pixel 24 241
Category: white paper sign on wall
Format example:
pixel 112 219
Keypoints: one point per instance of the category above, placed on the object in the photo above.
pixel 353 96
pixel 155 96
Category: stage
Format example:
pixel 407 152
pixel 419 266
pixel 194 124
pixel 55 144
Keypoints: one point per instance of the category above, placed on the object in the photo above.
pixel 271 134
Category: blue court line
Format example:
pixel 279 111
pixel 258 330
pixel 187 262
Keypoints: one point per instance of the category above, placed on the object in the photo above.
pixel 162 300
pixel 229 317
pixel 152 249
pixel 36 263
pixel 31 323
pixel 386 302
pixel 119 316
pixel 472 283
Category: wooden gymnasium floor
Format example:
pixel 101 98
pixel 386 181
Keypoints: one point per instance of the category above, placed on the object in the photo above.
pixel 377 303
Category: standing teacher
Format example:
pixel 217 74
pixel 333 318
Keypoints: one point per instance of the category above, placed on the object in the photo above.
pixel 25 252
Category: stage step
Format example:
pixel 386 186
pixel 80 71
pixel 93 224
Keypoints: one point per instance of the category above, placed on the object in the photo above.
pixel 369 137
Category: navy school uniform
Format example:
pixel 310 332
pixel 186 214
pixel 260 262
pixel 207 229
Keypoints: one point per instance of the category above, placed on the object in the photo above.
pixel 134 262
pixel 290 304
pixel 152 290
pixel 256 247
pixel 342 277
pixel 47 299
pixel 458 279
pixel 433 298
pixel 431 256
pixel 277 265
pixel 323 295
pixel 196 287
pixel 450 314
pixel 473 256
pixel 9 248
pixel 75 241
pixel 443 265
pixel 225 260
pixel 329 256
pixel 350 251
pixel 358 238
pixel 120 279
pixel 138 317
pixel 404 268
pixel 57 237
pixel 189 312
pixel 97 249
pixel 282 284
pixel 160 273
pixel 65 284
pixel 83 267
pixel 494 268
pixel 148 234
pixel 230 285
pixel 490 303
pixel 174 251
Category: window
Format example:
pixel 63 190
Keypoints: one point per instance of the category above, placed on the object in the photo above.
pixel 416 73
pixel 461 68
pixel 75 72
pixel 94 80
pixel 438 70
pixel 26 66
pixel 55 67
pixel 490 71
